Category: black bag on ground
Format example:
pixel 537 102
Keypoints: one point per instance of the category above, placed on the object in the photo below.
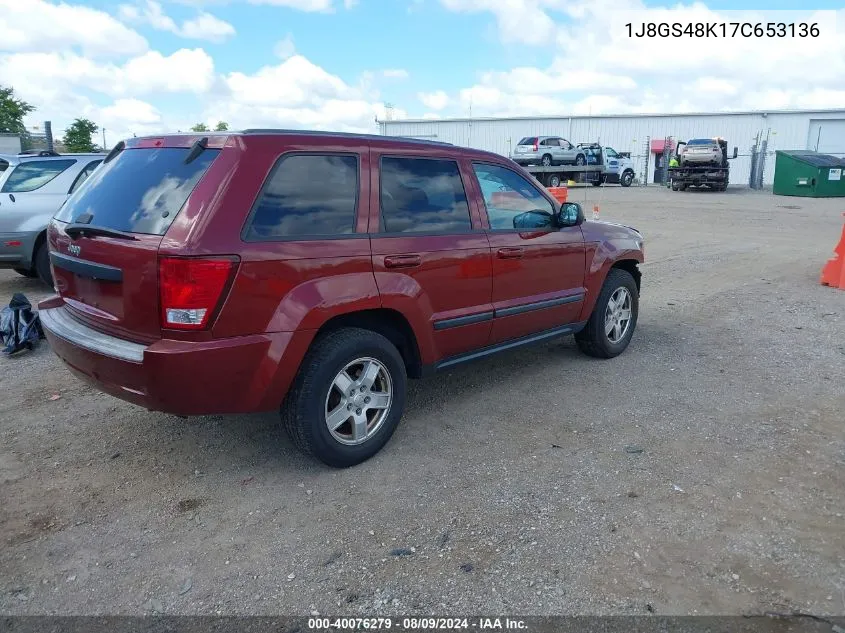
pixel 20 325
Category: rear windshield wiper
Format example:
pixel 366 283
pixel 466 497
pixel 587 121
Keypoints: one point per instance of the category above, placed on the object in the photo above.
pixel 88 230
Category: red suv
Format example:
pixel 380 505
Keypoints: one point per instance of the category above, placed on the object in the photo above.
pixel 315 272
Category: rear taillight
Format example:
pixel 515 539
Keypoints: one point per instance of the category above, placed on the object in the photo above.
pixel 190 289
pixel 536 146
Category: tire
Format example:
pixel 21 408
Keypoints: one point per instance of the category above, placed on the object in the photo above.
pixel 554 181
pixel 675 186
pixel 546 161
pixel 42 264
pixel 304 411
pixel 627 178
pixel 594 340
pixel 597 183
pixel 27 272
pixel 580 160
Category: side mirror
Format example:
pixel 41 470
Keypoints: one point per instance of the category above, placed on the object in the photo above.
pixel 570 214
pixel 533 220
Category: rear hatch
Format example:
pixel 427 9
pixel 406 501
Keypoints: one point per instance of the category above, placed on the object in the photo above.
pixel 104 241
pixel 527 144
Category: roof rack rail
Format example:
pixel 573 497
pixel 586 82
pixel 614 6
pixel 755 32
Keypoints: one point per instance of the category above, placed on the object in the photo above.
pixel 32 152
pixel 373 137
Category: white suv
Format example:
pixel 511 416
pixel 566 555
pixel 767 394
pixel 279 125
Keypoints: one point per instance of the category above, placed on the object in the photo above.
pixel 32 188
pixel 547 151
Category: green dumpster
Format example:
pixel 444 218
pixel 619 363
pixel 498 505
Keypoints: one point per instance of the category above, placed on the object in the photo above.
pixel 808 174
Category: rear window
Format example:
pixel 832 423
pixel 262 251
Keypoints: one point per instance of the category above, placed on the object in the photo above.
pixel 139 190
pixel 528 140
pixel 701 141
pixel 32 175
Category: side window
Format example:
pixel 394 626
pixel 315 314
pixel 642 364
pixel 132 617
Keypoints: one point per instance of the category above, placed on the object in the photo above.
pixel 83 175
pixel 422 195
pixel 554 142
pixel 306 195
pixel 610 152
pixel 512 202
pixel 32 175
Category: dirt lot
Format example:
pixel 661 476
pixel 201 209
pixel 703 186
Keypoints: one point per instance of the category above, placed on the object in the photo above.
pixel 512 486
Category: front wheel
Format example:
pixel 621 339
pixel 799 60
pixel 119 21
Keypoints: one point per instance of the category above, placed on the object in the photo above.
pixel 627 179
pixel 614 317
pixel 347 398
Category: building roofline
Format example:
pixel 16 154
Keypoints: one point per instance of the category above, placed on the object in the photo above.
pixel 558 117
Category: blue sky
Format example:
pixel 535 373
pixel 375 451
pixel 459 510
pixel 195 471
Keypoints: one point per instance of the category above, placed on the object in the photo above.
pixel 155 65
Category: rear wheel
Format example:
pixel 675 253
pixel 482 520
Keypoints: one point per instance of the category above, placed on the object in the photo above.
pixel 347 398
pixel 627 178
pixel 580 160
pixel 42 264
pixel 27 272
pixel 614 317
pixel 546 160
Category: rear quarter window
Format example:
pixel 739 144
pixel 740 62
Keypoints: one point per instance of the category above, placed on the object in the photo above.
pixel 306 195
pixel 139 190
pixel 32 175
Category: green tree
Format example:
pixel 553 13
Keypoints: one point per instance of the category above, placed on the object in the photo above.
pixel 221 126
pixel 77 137
pixel 199 127
pixel 12 112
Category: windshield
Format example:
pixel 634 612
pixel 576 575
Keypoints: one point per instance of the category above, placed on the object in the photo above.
pixel 139 191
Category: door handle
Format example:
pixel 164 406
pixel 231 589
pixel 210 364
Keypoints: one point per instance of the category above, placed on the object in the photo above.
pixel 509 253
pixel 402 261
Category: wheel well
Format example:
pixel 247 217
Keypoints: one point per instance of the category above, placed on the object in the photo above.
pixel 390 324
pixel 631 266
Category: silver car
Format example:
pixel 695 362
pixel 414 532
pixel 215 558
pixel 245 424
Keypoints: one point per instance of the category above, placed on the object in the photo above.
pixel 547 151
pixel 32 188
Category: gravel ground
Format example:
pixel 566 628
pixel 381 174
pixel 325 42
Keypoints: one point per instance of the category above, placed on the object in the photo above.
pixel 702 472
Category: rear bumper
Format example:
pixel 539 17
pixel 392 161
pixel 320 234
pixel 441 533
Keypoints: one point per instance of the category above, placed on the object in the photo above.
pixel 233 375
pixel 16 249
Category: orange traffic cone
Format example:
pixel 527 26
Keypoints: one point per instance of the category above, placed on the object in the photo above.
pixel 833 273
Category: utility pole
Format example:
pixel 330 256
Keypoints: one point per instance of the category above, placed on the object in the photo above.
pixel 104 138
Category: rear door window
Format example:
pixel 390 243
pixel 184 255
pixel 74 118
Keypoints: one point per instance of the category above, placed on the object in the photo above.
pixel 422 195
pixel 307 195
pixel 139 190
pixel 32 175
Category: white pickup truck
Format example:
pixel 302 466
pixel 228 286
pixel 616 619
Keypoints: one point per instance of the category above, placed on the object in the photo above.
pixel 603 164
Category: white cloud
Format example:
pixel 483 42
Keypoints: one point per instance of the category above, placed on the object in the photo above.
pixel 42 78
pixel 203 26
pixel 597 67
pixel 36 25
pixel 348 4
pixel 207 27
pixel 285 47
pixel 395 73
pixel 434 100
pixel 312 6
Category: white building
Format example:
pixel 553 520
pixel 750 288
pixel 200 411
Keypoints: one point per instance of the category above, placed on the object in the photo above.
pixel 643 135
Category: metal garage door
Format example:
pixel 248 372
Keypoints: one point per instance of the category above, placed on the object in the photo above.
pixel 827 136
